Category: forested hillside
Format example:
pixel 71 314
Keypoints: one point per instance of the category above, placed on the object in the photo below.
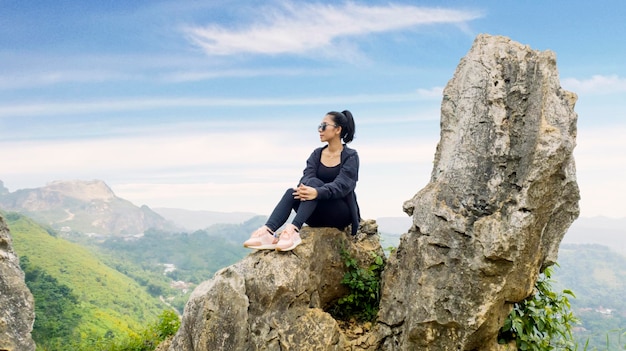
pixel 183 259
pixel 77 296
pixel 597 275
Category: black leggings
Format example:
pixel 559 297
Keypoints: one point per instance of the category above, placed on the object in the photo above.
pixel 316 213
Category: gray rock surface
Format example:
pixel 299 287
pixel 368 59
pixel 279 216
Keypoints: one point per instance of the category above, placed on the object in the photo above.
pixel 17 309
pixel 275 300
pixel 502 194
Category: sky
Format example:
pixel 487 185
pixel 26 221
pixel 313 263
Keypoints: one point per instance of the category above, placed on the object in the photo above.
pixel 213 105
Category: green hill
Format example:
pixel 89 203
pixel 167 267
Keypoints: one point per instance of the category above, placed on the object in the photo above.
pixel 597 275
pixel 108 302
pixel 191 258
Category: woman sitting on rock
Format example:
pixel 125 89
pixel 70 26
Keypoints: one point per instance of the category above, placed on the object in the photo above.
pixel 325 194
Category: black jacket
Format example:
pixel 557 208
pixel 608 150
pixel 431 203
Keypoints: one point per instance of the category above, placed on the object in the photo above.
pixel 344 184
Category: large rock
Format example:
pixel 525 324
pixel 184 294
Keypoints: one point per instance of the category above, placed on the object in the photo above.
pixel 275 300
pixel 502 194
pixel 17 309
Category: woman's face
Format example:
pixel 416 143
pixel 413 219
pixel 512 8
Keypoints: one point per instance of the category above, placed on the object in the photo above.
pixel 328 129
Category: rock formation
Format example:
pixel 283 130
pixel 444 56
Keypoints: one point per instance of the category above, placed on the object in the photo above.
pixel 17 309
pixel 84 207
pixel 501 196
pixel 275 300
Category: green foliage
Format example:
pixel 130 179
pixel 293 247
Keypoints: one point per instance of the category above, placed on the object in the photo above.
pixel 147 339
pixel 363 283
pixel 57 308
pixel 107 301
pixel 197 256
pixel 168 324
pixel 542 322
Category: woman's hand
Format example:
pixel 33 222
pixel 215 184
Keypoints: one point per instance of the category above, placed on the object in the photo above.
pixel 304 193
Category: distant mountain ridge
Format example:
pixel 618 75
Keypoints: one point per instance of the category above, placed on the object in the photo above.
pixel 82 206
pixel 197 219
pixel 610 232
pixel 92 207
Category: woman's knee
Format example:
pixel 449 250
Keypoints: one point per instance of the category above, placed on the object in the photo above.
pixel 287 196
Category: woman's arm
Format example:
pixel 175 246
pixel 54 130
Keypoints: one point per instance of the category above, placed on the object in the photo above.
pixel 312 163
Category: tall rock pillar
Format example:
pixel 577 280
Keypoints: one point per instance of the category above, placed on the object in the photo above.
pixel 501 196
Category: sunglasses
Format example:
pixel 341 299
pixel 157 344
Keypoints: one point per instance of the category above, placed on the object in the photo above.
pixel 322 127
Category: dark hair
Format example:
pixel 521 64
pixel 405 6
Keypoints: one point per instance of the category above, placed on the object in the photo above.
pixel 345 120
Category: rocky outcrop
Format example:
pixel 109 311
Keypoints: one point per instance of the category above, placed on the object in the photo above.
pixel 84 207
pixel 275 300
pixel 17 309
pixel 501 196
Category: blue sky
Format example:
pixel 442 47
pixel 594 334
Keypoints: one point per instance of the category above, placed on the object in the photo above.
pixel 213 105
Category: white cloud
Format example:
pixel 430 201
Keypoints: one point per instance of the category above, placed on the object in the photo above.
pixel 601 170
pixel 120 104
pixel 308 27
pixel 38 79
pixel 200 75
pixel 144 154
pixel 432 93
pixel 597 85
pixel 253 197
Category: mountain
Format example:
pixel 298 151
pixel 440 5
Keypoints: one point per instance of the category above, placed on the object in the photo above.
pixel 195 220
pixel 600 230
pixel 3 189
pixel 82 206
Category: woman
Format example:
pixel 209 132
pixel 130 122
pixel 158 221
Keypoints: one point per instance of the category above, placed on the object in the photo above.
pixel 325 194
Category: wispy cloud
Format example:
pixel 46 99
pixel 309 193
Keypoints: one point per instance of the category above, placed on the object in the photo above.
pixel 142 154
pixel 201 75
pixel 139 104
pixel 38 79
pixel 597 85
pixel 302 28
pixel 432 93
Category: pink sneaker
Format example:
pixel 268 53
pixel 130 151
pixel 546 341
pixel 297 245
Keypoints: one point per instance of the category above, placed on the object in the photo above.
pixel 289 239
pixel 261 239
